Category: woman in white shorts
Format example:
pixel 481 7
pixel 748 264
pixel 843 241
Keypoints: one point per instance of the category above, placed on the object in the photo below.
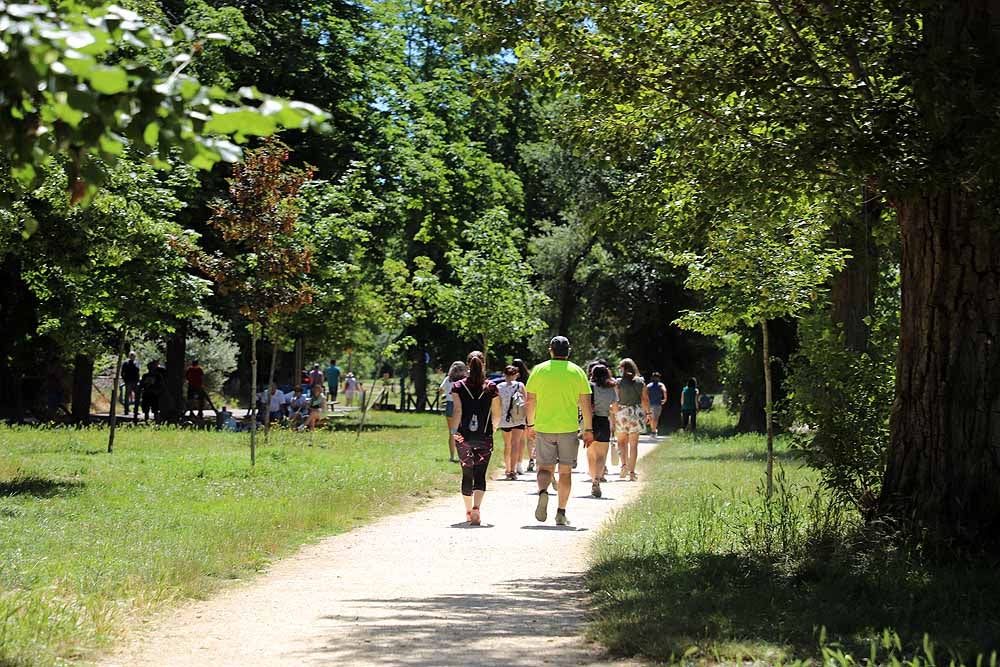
pixel 630 418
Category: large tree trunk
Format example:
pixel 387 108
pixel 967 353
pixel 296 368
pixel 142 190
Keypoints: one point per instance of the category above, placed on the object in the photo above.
pixel 172 401
pixel 852 291
pixel 944 459
pixel 83 382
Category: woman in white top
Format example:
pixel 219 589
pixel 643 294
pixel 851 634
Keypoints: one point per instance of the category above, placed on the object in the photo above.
pixel 350 388
pixel 512 419
pixel 458 371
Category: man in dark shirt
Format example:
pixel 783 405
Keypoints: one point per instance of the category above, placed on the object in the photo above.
pixel 130 378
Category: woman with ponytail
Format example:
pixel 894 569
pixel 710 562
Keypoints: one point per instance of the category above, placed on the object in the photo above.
pixel 476 418
pixel 630 418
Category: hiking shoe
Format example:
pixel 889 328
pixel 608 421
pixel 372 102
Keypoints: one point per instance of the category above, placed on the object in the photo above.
pixel 561 519
pixel 531 465
pixel 474 518
pixel 542 508
pixel 595 489
pixel 519 470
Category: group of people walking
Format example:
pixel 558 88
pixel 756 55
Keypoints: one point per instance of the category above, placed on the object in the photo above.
pixel 549 410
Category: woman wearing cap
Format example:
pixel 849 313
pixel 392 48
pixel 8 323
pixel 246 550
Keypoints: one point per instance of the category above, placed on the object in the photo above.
pixel 477 415
pixel 512 400
pixel 633 406
pixel 455 373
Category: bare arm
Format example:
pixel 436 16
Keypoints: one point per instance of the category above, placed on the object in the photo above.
pixel 587 410
pixel 456 419
pixel 496 410
pixel 529 412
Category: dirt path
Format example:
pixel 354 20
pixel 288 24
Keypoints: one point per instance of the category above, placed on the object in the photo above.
pixel 418 589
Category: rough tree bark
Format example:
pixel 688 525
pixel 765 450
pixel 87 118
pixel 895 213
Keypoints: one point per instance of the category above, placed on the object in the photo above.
pixel 944 459
pixel 172 401
pixel 83 382
pixel 852 292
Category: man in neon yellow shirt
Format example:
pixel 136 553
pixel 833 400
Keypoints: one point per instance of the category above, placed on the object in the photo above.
pixel 556 388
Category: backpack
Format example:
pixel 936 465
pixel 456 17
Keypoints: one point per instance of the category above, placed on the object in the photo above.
pixel 515 407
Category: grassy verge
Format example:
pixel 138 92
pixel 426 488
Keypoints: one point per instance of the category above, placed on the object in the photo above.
pixel 89 541
pixel 701 569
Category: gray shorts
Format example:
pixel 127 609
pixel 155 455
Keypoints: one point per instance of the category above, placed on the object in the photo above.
pixel 553 448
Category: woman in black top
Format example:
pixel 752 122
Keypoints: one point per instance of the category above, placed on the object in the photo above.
pixel 476 418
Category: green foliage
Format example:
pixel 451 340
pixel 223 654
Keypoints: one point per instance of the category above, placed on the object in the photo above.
pixel 845 398
pixel 492 299
pixel 754 270
pixel 69 85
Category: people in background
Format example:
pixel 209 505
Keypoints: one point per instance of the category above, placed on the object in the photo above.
pixel 151 387
pixel 633 406
pixel 332 375
pixel 689 406
pixel 657 393
pixel 512 401
pixel 316 405
pixel 605 400
pixel 456 372
pixel 131 374
pixel 195 376
pixel 350 388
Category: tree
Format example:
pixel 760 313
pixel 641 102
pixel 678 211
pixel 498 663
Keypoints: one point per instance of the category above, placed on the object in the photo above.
pixel 757 270
pixel 68 85
pixel 895 95
pixel 264 272
pixel 492 297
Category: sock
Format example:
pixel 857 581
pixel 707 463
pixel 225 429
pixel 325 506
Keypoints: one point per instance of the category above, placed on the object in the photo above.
pixel 561 511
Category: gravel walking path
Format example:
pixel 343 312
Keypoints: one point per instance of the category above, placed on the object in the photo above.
pixel 416 589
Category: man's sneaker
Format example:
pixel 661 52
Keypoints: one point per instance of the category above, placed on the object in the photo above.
pixel 595 489
pixel 561 519
pixel 542 508
pixel 474 517
pixel 531 465
pixel 519 470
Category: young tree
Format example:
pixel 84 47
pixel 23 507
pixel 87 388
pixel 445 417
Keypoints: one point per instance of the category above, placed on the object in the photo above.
pixel 492 299
pixel 756 269
pixel 267 261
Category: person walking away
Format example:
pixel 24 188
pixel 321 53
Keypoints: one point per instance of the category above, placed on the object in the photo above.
pixel 657 393
pixel 332 374
pixel 130 378
pixel 512 402
pixel 522 376
pixel 633 405
pixel 195 376
pixel 689 405
pixel 350 388
pixel 558 390
pixel 151 387
pixel 316 377
pixel 605 400
pixel 476 416
pixel 456 372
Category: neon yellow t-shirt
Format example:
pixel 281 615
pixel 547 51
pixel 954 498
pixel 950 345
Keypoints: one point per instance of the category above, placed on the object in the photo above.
pixel 557 385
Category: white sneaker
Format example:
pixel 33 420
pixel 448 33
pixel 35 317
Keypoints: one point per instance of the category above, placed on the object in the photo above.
pixel 519 469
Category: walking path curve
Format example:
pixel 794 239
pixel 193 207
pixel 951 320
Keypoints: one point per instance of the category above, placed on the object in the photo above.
pixel 420 589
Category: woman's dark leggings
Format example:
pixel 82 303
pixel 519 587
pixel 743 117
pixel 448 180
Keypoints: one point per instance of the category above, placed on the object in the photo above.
pixel 474 478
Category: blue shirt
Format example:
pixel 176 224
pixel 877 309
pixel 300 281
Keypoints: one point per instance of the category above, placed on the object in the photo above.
pixel 655 392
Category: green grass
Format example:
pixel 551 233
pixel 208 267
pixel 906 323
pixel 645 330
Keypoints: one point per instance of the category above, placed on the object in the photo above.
pixel 702 570
pixel 91 542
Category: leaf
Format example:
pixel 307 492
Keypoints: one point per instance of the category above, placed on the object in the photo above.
pixel 243 121
pixel 108 80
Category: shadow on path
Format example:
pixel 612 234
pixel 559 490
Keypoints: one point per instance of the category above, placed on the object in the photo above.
pixel 464 628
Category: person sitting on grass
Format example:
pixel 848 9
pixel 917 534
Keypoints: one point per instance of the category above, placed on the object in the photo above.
pixel 316 406
pixel 298 407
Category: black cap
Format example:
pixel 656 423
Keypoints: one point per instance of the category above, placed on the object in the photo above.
pixel 559 346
